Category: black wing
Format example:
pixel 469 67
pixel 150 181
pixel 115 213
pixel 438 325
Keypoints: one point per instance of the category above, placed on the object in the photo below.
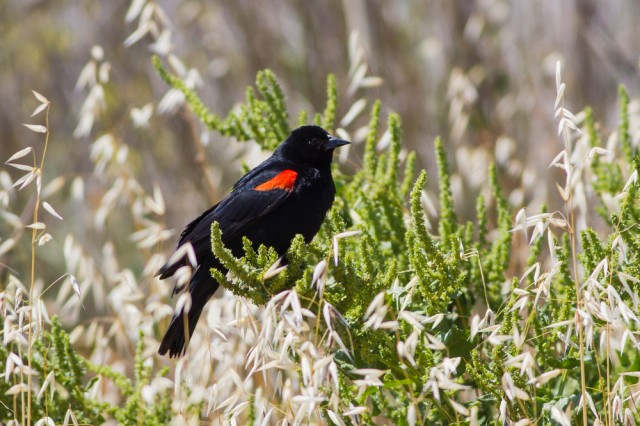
pixel 240 209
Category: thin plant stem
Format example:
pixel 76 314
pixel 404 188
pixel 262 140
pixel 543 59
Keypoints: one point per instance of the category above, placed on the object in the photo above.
pixel 609 411
pixel 574 260
pixel 34 235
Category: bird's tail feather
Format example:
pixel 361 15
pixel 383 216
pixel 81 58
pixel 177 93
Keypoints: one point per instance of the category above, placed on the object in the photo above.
pixel 175 339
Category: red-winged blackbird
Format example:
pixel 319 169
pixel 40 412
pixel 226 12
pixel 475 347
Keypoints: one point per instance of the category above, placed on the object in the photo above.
pixel 288 194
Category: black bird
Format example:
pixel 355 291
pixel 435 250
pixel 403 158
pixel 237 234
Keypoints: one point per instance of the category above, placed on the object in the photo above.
pixel 288 194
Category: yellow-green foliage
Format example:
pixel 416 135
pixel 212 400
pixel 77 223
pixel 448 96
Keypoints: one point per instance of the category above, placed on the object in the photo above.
pixel 442 279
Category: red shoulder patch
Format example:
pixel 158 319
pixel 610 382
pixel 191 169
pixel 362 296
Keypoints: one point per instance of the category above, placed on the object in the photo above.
pixel 286 180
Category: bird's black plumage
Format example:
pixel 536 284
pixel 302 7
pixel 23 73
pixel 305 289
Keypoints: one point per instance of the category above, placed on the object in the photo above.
pixel 288 194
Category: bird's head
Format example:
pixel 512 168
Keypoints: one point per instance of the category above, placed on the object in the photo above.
pixel 311 145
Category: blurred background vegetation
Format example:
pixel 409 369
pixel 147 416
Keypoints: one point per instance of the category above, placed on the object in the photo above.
pixel 492 59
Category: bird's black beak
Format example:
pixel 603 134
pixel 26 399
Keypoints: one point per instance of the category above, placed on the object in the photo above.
pixel 335 143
